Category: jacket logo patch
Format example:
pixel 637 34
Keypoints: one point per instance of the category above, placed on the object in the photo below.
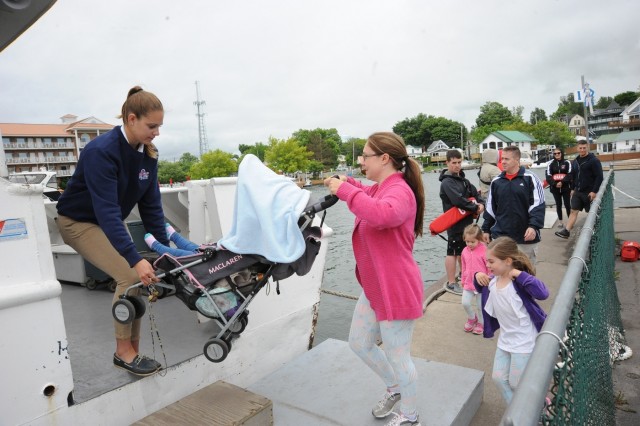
pixel 143 175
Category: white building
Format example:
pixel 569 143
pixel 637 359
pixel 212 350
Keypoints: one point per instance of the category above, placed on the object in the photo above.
pixel 504 138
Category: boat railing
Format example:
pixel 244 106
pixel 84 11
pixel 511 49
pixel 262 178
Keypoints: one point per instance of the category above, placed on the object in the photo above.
pixel 582 336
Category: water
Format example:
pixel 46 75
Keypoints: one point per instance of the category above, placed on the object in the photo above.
pixel 335 312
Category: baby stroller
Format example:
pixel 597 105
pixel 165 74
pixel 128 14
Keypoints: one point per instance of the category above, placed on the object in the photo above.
pixel 221 284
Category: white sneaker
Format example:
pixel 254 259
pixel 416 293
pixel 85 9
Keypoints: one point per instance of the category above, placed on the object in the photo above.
pixel 399 419
pixel 385 405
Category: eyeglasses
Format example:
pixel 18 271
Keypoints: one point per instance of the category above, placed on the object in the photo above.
pixel 365 156
pixel 557 153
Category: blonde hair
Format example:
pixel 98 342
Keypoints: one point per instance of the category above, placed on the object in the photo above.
pixel 140 103
pixel 393 145
pixel 505 247
pixel 474 231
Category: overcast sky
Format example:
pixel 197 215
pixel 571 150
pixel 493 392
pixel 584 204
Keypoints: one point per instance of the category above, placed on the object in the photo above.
pixel 271 67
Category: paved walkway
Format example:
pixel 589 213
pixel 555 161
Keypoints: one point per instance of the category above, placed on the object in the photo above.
pixel 439 336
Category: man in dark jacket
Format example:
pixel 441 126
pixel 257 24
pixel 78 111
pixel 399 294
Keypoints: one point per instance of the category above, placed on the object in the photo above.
pixel 515 205
pixel 587 178
pixel 455 191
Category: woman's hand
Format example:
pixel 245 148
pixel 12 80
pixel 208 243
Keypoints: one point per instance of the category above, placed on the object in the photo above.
pixel 333 183
pixel 146 273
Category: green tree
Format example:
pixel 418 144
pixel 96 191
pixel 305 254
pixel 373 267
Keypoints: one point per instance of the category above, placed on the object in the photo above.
pixel 516 113
pixel 171 172
pixel 414 131
pixel 603 102
pixel 351 147
pixel 422 130
pixel 478 134
pixel 520 126
pixel 287 156
pixel 537 115
pixel 214 164
pixel 495 113
pixel 626 98
pixel 315 167
pixel 258 149
pixel 186 161
pixel 324 144
pixel 567 106
pixel 553 133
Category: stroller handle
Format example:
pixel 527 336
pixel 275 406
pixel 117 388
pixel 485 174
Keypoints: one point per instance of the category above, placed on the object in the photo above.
pixel 323 204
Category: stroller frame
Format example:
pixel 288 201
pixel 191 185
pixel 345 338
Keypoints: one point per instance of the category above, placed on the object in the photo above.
pixel 131 306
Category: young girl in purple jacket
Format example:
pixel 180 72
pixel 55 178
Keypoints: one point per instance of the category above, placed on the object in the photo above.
pixel 508 302
pixel 389 216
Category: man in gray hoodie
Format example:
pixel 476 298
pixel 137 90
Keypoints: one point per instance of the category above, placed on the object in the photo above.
pixel 488 170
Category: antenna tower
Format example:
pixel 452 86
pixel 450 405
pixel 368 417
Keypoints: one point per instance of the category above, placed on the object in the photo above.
pixel 202 132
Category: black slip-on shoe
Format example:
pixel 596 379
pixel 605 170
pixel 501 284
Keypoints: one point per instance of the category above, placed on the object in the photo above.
pixel 563 233
pixel 140 366
pixel 153 361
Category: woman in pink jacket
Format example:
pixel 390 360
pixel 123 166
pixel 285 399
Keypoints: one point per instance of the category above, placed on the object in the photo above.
pixel 389 216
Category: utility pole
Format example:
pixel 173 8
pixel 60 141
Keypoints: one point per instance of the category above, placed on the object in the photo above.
pixel 586 117
pixel 202 132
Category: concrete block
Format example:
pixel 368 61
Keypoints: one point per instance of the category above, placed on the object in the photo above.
pixel 330 385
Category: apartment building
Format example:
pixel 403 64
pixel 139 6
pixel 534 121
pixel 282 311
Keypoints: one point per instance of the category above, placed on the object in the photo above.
pixel 55 147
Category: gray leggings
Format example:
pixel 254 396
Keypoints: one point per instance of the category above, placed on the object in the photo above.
pixel 89 240
pixel 393 364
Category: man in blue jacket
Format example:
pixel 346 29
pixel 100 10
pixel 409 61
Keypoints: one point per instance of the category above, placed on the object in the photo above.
pixel 587 178
pixel 515 205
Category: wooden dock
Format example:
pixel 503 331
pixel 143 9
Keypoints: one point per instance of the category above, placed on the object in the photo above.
pixel 633 164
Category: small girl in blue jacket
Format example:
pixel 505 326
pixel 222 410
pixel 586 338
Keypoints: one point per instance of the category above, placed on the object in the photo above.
pixel 508 303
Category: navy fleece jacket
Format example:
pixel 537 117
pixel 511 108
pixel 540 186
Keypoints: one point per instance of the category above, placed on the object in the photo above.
pixel 110 179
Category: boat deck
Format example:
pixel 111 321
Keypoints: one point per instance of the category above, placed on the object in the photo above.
pixel 91 343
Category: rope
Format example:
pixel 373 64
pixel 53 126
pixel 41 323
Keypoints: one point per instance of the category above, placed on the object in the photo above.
pixel 335 293
pixel 153 327
pixel 624 193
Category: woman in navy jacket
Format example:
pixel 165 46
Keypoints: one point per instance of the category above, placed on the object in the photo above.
pixel 116 171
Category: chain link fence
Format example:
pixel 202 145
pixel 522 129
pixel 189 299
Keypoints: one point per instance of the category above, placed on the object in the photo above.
pixel 582 338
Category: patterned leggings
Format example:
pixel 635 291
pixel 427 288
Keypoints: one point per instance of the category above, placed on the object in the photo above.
pixel 507 370
pixel 393 364
pixel 468 297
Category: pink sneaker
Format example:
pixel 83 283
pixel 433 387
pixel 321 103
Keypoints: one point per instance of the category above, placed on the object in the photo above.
pixel 468 326
pixel 478 329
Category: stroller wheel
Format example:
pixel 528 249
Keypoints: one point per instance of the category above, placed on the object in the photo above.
pixel 139 307
pixel 91 284
pixel 216 350
pixel 239 325
pixel 123 311
pixel 112 286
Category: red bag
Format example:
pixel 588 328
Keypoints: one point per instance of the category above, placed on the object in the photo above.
pixel 449 218
pixel 630 251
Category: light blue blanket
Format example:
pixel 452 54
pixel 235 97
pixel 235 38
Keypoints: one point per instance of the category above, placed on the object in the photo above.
pixel 267 209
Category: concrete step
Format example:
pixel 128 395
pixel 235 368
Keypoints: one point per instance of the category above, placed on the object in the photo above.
pixel 330 385
pixel 219 404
